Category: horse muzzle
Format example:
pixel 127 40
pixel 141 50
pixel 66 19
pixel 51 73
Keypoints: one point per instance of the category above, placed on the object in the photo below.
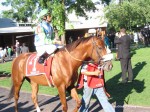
pixel 107 65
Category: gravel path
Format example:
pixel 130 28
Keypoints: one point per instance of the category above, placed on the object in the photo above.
pixel 52 104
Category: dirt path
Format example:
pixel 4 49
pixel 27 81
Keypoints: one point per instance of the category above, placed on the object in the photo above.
pixel 52 104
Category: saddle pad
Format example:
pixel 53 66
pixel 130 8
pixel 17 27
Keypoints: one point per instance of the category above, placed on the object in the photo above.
pixel 33 68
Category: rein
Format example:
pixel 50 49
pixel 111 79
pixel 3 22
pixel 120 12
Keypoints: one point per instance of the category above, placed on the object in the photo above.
pixel 72 56
pixel 78 59
pixel 94 44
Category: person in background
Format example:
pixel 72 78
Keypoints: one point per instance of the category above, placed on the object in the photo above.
pixel 124 55
pixel 17 45
pixel 117 35
pixel 136 39
pixel 5 52
pixel 2 55
pixel 92 78
pixel 44 37
pixel 9 50
pixel 24 48
pixel 107 41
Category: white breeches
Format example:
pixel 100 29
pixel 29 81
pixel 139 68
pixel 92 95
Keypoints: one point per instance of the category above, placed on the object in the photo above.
pixel 45 48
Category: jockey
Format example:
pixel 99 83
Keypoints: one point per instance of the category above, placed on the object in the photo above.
pixel 44 39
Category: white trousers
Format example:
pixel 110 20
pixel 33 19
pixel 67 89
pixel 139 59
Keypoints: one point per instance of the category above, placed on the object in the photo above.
pixel 45 48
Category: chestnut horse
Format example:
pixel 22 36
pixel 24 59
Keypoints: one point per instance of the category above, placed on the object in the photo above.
pixel 65 64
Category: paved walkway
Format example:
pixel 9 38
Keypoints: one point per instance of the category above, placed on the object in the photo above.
pixel 52 104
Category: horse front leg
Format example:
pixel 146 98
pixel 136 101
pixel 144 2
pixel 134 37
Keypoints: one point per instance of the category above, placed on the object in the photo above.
pixel 35 89
pixel 62 95
pixel 74 95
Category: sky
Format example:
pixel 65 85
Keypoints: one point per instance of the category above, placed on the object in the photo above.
pixel 3 7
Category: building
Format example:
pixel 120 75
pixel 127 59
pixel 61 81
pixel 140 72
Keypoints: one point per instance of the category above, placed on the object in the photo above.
pixel 79 26
pixel 11 31
pixel 75 28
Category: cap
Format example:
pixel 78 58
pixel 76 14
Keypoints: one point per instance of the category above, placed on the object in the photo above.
pixel 43 13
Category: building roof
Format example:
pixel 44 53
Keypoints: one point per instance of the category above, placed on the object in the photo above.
pixel 9 26
pixel 5 22
pixel 16 30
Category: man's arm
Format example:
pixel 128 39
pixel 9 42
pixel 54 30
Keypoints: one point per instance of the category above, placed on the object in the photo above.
pixel 117 41
pixel 89 73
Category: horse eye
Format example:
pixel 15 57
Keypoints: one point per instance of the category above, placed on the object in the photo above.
pixel 99 47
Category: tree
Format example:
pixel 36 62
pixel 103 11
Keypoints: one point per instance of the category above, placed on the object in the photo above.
pixel 23 9
pixel 128 14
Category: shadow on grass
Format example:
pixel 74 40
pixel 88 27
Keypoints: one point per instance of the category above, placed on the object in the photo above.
pixel 4 74
pixel 121 92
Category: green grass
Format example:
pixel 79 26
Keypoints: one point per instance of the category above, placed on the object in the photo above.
pixel 5 69
pixel 26 87
pixel 135 93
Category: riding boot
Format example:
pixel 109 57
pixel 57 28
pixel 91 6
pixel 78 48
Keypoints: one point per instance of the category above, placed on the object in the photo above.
pixel 42 58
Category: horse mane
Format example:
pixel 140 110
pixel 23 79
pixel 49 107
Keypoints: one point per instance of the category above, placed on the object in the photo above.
pixel 73 45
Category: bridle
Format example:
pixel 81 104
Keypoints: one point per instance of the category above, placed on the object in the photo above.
pixel 98 49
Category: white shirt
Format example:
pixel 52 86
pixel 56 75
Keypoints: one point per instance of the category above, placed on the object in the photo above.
pixel 1 53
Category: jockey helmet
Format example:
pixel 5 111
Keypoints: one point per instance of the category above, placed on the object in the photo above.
pixel 43 13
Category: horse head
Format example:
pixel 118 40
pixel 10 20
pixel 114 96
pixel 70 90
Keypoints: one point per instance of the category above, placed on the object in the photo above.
pixel 93 48
pixel 100 54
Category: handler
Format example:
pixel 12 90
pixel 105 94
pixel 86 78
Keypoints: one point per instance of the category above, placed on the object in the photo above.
pixel 92 78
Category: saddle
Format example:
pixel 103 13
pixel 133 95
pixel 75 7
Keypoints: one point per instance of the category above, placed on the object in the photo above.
pixel 33 68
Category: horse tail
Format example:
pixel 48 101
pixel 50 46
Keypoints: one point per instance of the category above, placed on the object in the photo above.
pixel 11 93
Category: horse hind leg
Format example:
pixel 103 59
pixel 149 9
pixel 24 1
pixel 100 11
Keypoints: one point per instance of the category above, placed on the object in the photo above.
pixel 11 95
pixel 35 89
pixel 17 83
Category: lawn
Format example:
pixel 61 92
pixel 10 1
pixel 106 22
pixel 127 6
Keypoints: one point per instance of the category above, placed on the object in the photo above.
pixel 135 93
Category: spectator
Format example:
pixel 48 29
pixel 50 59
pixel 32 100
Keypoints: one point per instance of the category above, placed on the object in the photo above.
pixel 24 48
pixel 112 37
pixel 117 35
pixel 141 37
pixel 145 34
pixel 5 52
pixel 136 38
pixel 124 55
pixel 17 48
pixel 107 41
pixel 9 50
pixel 2 55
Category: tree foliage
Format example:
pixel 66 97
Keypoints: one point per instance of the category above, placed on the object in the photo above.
pixel 23 9
pixel 128 14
